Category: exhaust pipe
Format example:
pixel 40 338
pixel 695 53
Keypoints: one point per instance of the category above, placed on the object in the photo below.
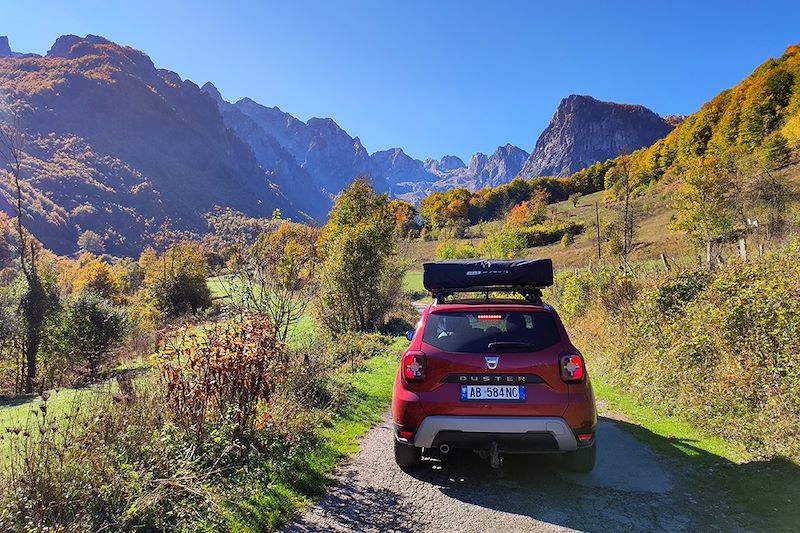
pixel 444 448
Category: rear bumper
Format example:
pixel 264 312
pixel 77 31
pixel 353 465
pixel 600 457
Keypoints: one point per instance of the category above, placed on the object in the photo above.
pixel 477 428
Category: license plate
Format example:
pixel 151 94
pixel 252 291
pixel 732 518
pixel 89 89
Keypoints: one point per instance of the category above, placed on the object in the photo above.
pixel 492 393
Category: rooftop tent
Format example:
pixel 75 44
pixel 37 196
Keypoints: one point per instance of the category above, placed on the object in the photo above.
pixel 476 273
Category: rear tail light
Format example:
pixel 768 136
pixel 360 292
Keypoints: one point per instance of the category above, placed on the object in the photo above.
pixel 572 369
pixel 405 435
pixel 414 366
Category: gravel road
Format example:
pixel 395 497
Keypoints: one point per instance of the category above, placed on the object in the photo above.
pixel 631 489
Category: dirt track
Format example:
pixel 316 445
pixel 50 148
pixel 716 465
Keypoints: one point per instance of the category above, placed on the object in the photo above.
pixel 631 489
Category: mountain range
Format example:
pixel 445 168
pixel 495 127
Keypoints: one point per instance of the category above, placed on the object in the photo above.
pixel 117 146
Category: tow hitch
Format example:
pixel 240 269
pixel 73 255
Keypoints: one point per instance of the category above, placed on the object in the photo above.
pixel 493 454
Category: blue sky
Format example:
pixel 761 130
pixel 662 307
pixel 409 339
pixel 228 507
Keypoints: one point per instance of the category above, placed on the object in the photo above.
pixel 434 77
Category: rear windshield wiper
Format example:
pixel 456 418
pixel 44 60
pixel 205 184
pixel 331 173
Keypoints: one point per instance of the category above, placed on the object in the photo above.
pixel 509 345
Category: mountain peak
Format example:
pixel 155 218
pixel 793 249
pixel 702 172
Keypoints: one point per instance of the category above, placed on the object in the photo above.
pixel 72 46
pixel 5 48
pixel 450 162
pixel 211 90
pixel 585 130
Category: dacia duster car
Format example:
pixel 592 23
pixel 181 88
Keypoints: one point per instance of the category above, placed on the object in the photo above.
pixel 496 375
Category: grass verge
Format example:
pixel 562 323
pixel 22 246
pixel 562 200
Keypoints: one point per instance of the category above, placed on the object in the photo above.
pixel 304 477
pixel 764 493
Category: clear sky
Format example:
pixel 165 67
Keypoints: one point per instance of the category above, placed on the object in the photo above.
pixel 433 77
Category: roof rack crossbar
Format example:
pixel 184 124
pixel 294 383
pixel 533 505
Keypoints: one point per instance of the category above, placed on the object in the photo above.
pixel 532 293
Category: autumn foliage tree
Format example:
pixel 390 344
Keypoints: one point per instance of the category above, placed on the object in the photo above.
pixel 405 219
pixel 529 212
pixel 360 277
pixel 176 279
pixel 276 275
pixel 97 276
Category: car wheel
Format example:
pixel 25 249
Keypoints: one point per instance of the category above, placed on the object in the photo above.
pixel 582 460
pixel 406 455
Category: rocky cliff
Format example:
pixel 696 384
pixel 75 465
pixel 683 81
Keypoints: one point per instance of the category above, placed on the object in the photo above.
pixel 584 130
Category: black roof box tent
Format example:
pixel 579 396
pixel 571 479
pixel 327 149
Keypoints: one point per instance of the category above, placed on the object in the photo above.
pixel 458 275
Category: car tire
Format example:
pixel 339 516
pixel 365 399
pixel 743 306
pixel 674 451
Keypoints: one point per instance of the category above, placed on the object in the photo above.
pixel 407 456
pixel 582 460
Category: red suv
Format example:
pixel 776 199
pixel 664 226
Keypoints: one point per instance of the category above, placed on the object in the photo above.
pixel 494 375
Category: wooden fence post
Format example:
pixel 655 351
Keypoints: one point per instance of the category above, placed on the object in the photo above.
pixel 665 262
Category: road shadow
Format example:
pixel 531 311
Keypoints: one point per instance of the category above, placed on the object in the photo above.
pixel 348 507
pixel 634 486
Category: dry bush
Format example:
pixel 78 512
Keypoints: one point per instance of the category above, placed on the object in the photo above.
pixel 222 372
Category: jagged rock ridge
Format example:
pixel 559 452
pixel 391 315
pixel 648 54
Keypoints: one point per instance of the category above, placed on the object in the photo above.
pixel 584 130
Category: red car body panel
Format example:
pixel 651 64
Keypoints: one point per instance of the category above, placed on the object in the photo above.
pixel 412 402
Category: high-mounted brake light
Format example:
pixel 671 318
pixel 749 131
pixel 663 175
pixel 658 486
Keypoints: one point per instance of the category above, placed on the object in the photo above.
pixel 572 369
pixel 414 366
pixel 490 317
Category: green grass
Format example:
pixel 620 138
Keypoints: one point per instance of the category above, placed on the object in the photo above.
pixel 218 286
pixel 412 283
pixel 19 413
pixel 369 391
pixel 301 331
pixel 412 286
pixel 764 492
pixel 671 430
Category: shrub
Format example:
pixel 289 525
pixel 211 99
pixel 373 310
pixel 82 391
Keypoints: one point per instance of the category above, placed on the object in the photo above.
pixel 567 240
pixel 680 289
pixel 177 279
pixel 93 328
pixel 224 372
pixel 717 348
pixel 456 250
pixel 550 232
pixel 504 244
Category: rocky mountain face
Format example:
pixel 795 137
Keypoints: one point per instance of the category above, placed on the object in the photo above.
pixel 5 48
pixel 281 166
pixel 117 146
pixel 330 156
pixel 483 171
pixel 319 158
pixel 584 131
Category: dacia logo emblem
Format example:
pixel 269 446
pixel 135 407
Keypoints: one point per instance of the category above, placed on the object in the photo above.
pixel 491 362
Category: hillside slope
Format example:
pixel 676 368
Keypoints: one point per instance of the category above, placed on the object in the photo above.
pixel 765 105
pixel 117 146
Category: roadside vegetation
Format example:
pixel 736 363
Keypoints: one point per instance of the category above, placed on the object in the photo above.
pixel 219 381
pixel 707 359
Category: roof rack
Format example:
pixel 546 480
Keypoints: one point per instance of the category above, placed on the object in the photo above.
pixel 521 276
pixel 530 294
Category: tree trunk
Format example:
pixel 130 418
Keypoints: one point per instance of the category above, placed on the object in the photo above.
pixel 31 349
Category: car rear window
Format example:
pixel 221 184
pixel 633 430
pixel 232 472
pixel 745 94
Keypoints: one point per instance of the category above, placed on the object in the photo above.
pixel 479 331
